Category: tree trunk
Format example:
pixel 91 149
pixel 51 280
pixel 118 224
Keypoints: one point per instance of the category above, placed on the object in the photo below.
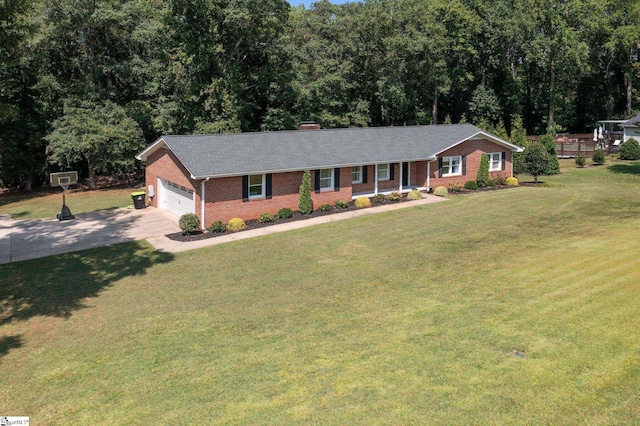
pixel 552 96
pixel 93 180
pixel 628 82
pixel 27 185
pixel 434 107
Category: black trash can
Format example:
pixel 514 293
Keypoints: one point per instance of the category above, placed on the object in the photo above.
pixel 138 199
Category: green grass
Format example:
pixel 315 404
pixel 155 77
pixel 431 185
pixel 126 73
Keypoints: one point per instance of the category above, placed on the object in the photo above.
pixel 47 204
pixel 406 317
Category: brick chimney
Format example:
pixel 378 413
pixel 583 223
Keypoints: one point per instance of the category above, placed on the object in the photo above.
pixel 309 125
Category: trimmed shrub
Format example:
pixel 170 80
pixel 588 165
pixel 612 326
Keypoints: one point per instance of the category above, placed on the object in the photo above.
pixel 598 157
pixel 500 179
pixel 189 223
pixel 471 185
pixel 580 161
pixel 266 218
pixel 217 227
pixel 341 204
pixel 378 198
pixel 325 207
pixel 512 181
pixel 394 196
pixel 305 204
pixel 414 194
pixel 482 177
pixel 456 187
pixel 630 150
pixel 549 143
pixel 236 224
pixel 362 202
pixel 441 191
pixel 491 182
pixel 285 213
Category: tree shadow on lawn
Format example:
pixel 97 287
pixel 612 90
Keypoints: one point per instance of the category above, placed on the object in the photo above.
pixel 629 169
pixel 10 342
pixel 58 286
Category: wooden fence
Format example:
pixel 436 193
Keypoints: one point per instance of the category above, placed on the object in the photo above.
pixel 570 146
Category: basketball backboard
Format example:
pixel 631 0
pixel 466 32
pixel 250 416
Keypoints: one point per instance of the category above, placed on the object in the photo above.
pixel 64 178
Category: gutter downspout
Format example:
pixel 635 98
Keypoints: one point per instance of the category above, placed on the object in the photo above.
pixel 202 202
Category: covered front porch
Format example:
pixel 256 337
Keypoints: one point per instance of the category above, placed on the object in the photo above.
pixel 385 179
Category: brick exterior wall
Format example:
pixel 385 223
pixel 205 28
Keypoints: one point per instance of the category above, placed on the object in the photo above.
pixel 164 164
pixel 473 151
pixel 224 195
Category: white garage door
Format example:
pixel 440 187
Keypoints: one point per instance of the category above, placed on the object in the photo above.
pixel 175 198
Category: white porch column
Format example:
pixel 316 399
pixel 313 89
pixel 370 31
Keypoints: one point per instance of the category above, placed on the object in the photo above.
pixel 203 201
pixel 428 175
pixel 400 184
pixel 375 180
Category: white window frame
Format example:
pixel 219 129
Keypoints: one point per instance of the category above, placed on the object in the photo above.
pixel 357 171
pixel 326 179
pixel 452 162
pixel 255 185
pixel 384 172
pixel 491 161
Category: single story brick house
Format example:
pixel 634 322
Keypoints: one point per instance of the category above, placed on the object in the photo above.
pixel 244 175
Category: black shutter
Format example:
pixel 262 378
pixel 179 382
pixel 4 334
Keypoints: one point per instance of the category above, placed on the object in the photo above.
pixel 364 174
pixel 245 188
pixel 392 175
pixel 440 167
pixel 336 178
pixel 269 185
pixel 316 174
pixel 504 160
pixel 464 164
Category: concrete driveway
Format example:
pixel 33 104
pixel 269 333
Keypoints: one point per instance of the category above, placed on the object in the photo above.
pixel 30 239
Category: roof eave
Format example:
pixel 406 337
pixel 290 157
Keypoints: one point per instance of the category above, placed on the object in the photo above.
pixel 144 154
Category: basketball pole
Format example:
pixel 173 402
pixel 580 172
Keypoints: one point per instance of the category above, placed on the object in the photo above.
pixel 65 213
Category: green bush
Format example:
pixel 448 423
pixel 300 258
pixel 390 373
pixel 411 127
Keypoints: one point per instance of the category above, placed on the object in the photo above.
pixel 394 196
pixel 491 182
pixel 285 213
pixel 217 227
pixel 471 185
pixel 325 207
pixel 441 191
pixel 189 223
pixel 305 203
pixel 580 161
pixel 266 218
pixel 378 198
pixel 536 160
pixel 512 181
pixel 482 177
pixel 549 143
pixel 598 157
pixel 456 187
pixel 414 194
pixel 236 224
pixel 630 150
pixel 362 202
pixel 341 204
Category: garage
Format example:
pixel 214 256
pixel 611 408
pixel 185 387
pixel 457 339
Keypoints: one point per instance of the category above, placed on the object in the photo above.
pixel 175 198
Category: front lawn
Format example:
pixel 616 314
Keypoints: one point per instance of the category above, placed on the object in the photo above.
pixel 499 307
pixel 48 203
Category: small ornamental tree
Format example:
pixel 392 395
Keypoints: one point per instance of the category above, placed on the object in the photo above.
pixel 305 204
pixel 630 150
pixel 482 177
pixel 536 160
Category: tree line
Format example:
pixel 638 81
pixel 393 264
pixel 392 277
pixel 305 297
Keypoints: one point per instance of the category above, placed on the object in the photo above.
pixel 87 84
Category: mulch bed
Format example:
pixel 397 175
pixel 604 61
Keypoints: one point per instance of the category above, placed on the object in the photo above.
pixel 254 224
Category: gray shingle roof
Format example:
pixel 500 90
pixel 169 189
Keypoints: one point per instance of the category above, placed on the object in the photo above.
pixel 262 152
pixel 634 122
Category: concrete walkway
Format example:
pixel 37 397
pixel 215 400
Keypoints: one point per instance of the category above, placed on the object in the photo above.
pixel 164 244
pixel 30 239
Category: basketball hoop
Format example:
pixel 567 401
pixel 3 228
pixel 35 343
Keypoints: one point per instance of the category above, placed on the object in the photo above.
pixel 64 180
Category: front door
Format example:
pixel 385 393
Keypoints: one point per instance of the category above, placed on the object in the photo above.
pixel 405 174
